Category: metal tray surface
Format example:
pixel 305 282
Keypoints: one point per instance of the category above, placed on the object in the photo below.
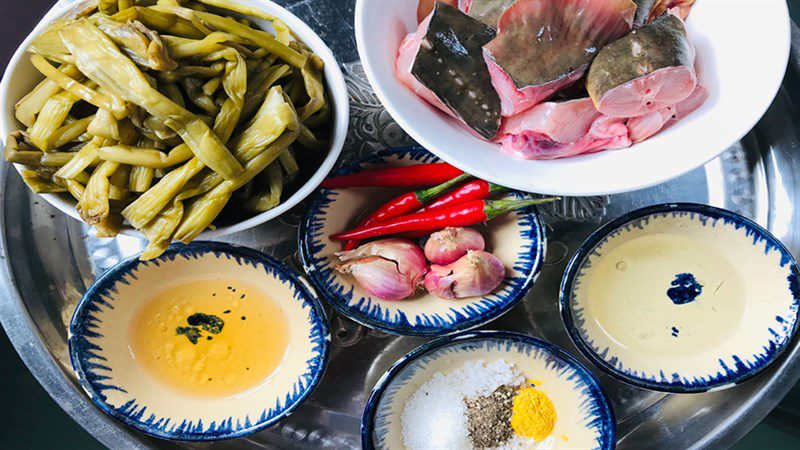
pixel 47 261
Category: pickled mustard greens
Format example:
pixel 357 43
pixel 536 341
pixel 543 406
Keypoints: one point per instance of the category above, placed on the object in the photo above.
pixel 159 112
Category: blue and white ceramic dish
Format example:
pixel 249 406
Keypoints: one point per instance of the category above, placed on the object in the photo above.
pixel 517 239
pixel 681 298
pixel 585 419
pixel 120 386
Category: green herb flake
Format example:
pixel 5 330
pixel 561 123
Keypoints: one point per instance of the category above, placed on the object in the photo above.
pixel 191 333
pixel 207 322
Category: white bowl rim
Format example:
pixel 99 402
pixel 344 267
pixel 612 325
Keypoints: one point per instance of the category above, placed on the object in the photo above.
pixel 337 93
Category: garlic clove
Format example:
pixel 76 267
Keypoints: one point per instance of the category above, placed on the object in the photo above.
pixel 448 245
pixel 475 274
pixel 380 277
pixel 406 254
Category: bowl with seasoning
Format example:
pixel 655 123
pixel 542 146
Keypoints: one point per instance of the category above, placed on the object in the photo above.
pixel 208 341
pixel 488 389
pixel 681 298
pixel 145 122
pixel 450 271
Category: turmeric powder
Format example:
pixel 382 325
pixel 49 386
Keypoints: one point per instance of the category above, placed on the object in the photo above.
pixel 533 414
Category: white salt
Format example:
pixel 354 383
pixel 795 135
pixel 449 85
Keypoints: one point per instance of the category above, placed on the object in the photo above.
pixel 480 379
pixel 435 417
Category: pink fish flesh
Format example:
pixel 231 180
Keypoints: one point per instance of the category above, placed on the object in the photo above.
pixel 643 127
pixel 554 130
pixel 514 101
pixel 657 90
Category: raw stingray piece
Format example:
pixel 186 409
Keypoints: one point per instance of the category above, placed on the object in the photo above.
pixel 643 8
pixel 487 11
pixel 643 127
pixel 406 54
pixel 649 69
pixel 449 64
pixel 684 6
pixel 543 46
pixel 648 10
pixel 553 130
pixel 426 6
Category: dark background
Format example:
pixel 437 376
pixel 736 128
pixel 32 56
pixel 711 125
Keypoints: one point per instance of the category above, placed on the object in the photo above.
pixel 30 419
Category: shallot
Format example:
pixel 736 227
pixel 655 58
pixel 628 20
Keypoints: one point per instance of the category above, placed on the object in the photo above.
pixel 475 274
pixel 380 278
pixel 448 245
pixel 390 269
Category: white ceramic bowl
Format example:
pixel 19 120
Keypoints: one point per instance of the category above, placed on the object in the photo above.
pixel 110 374
pixel 681 298
pixel 584 417
pixel 742 52
pixel 20 77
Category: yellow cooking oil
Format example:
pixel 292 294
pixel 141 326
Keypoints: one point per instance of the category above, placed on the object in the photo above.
pixel 210 338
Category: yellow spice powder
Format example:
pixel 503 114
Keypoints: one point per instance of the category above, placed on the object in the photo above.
pixel 533 414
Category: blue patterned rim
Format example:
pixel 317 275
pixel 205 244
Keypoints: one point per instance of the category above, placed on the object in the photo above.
pixel 732 375
pixel 85 360
pixel 369 313
pixel 600 405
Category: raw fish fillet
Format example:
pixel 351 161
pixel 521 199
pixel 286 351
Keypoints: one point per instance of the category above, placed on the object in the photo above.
pixel 543 46
pixel 647 70
pixel 684 6
pixel 648 10
pixel 406 55
pixel 425 7
pixel 554 130
pixel 487 11
pixel 443 63
pixel 643 127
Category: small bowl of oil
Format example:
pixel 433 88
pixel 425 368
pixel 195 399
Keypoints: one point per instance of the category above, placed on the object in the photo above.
pixel 209 341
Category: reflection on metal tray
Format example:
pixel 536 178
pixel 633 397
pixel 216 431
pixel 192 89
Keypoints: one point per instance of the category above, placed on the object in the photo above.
pixel 47 260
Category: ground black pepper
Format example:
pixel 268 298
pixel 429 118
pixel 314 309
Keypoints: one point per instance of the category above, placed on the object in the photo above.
pixel 489 418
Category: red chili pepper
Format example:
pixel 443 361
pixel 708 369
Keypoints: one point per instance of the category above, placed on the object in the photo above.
pixel 405 204
pixel 407 176
pixel 474 190
pixel 461 215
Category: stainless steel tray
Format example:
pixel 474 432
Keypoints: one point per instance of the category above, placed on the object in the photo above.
pixel 47 261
